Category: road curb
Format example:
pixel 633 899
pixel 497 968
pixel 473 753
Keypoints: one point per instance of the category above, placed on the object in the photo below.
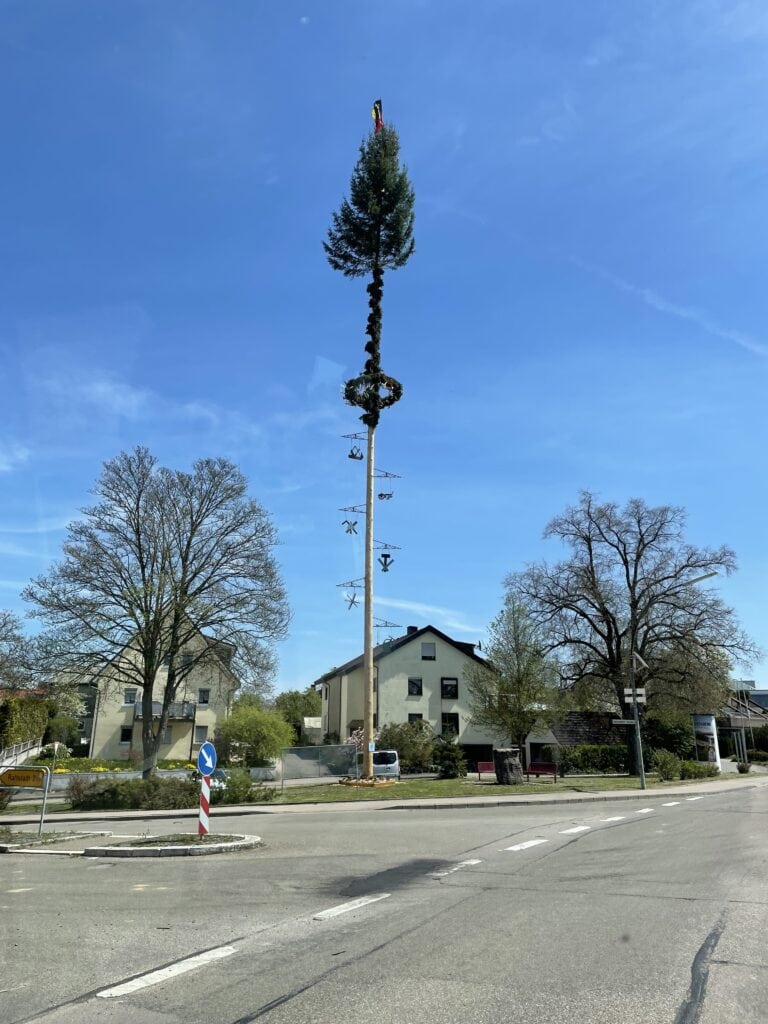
pixel 177 850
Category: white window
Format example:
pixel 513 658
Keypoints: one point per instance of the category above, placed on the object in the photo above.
pixel 166 737
pixel 129 695
pixel 201 733
pixel 203 696
pixel 126 733
pixel 428 652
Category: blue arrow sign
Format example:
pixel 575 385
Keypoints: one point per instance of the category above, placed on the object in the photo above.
pixel 206 759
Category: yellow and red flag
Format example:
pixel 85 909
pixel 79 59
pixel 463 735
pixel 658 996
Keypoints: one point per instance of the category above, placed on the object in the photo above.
pixel 378 117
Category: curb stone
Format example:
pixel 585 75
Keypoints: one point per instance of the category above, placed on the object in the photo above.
pixel 177 850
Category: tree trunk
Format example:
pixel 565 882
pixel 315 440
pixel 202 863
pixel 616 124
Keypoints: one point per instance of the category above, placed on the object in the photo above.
pixel 148 739
pixel 509 771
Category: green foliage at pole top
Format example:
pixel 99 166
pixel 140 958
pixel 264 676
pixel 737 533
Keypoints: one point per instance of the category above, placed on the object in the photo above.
pixel 373 232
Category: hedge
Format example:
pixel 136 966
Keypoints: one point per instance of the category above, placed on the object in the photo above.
pixel 22 719
pixel 697 770
pixel 594 758
pixel 132 794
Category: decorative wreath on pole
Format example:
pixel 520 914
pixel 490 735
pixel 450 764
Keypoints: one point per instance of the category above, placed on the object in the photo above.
pixel 372 392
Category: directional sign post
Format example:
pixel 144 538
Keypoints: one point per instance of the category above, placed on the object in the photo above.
pixel 638 695
pixel 206 762
pixel 28 778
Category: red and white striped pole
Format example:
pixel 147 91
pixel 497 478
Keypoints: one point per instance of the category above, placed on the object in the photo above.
pixel 205 803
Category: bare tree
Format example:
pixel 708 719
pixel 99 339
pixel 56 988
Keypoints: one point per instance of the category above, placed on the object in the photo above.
pixel 517 687
pixel 627 585
pixel 16 659
pixel 167 570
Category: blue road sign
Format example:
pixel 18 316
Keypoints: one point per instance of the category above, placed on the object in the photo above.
pixel 206 759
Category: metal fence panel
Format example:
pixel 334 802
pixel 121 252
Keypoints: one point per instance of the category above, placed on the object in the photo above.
pixel 332 761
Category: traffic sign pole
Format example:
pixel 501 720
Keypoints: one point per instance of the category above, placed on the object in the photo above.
pixel 205 803
pixel 206 762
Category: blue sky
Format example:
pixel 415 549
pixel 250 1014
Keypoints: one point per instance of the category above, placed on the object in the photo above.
pixel 585 307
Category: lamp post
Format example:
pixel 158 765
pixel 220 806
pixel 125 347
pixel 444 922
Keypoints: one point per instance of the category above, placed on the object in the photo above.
pixel 633 655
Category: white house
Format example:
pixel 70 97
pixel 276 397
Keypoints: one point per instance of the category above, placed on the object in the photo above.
pixel 416 676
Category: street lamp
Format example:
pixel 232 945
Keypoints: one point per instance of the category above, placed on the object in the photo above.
pixel 631 668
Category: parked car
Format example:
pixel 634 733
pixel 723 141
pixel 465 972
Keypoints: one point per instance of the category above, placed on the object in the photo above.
pixel 386 764
pixel 219 778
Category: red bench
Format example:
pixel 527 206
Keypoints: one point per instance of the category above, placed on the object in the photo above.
pixel 485 766
pixel 538 768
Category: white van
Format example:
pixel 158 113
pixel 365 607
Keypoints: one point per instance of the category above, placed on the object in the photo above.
pixel 386 764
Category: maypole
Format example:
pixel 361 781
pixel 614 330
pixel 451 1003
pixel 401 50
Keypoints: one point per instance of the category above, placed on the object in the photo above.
pixel 373 232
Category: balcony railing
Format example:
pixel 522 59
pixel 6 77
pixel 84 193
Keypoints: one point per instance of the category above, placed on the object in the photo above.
pixel 179 710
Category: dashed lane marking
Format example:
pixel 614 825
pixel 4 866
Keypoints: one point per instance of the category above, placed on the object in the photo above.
pixel 618 817
pixel 694 798
pixel 524 846
pixel 576 828
pixel 672 803
pixel 645 810
pixel 155 977
pixel 343 908
pixel 19 890
pixel 456 867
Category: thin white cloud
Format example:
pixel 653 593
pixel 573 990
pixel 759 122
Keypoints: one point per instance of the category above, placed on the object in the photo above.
pixel 325 373
pixel 41 526
pixel 104 392
pixel 696 316
pixel 446 618
pixel 16 551
pixel 12 455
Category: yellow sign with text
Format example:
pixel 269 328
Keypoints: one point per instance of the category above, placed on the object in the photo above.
pixel 24 778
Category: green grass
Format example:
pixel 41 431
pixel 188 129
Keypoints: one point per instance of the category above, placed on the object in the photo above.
pixel 431 789
pixel 420 789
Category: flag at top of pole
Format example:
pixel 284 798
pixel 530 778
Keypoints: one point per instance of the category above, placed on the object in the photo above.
pixel 378 117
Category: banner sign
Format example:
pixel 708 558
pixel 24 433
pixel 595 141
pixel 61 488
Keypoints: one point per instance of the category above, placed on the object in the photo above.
pixel 705 733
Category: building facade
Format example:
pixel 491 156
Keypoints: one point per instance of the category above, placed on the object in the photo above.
pixel 203 700
pixel 419 676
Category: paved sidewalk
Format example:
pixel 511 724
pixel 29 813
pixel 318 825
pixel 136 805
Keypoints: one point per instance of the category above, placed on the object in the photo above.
pixel 221 811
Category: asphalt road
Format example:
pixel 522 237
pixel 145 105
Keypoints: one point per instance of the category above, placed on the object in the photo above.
pixel 542 915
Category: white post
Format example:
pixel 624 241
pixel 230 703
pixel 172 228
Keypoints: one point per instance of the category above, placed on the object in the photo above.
pixel 368 614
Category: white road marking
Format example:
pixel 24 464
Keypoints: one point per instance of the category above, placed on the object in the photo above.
pixel 155 977
pixel 576 828
pixel 456 867
pixel 19 890
pixel 645 810
pixel 672 803
pixel 352 905
pixel 619 817
pixel 525 846
pixel 694 798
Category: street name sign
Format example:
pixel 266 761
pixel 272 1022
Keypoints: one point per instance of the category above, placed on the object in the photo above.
pixel 206 759
pixel 23 778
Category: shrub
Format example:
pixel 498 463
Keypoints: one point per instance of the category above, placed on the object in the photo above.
pixel 132 794
pixel 241 789
pixel 594 758
pixel 449 758
pixel 697 770
pixel 758 756
pixel 761 738
pixel 667 765
pixel 743 767
pixel 671 730
pixel 413 742
pixel 22 719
